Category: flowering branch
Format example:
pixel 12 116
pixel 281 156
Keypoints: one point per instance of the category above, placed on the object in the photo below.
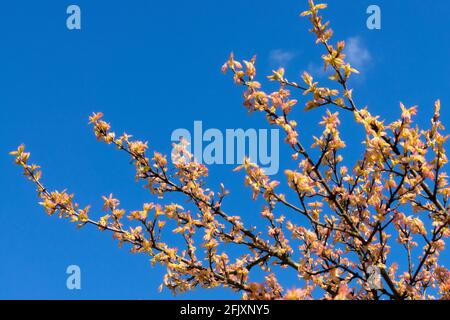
pixel 341 223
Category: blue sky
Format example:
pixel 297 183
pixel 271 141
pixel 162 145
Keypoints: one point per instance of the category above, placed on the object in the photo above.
pixel 152 67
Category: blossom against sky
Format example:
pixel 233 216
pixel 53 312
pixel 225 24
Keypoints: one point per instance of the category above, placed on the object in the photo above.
pixel 152 67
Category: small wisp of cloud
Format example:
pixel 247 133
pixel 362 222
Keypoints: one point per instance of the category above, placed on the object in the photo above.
pixel 356 53
pixel 280 58
pixel 317 70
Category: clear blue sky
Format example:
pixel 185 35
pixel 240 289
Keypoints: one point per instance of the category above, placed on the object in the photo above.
pixel 152 67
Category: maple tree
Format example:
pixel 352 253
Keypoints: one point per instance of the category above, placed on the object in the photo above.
pixel 351 216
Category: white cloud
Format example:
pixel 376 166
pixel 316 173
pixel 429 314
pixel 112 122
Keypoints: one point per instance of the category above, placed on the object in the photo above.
pixel 316 70
pixel 280 57
pixel 356 53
